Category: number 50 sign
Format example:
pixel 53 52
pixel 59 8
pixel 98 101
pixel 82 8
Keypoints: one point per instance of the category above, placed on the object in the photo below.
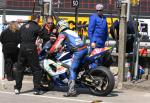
pixel 75 3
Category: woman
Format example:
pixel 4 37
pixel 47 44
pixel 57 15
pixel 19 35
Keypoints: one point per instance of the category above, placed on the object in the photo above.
pixel 10 39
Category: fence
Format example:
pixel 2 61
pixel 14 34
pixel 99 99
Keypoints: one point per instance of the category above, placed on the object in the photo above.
pixel 86 6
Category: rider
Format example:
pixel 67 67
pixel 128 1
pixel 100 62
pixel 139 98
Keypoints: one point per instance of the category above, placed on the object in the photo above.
pixel 76 46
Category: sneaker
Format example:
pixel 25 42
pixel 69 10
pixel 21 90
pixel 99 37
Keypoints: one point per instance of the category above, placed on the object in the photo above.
pixel 38 92
pixel 17 91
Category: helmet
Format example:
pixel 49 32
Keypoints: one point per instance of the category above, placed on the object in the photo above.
pixel 99 7
pixel 61 25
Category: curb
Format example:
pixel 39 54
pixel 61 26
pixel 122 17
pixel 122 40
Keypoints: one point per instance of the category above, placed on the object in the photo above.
pixel 140 85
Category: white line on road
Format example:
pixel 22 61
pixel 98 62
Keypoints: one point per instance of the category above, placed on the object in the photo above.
pixel 50 97
pixel 147 95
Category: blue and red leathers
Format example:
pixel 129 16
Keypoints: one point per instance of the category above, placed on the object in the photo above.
pixel 75 45
pixel 98 30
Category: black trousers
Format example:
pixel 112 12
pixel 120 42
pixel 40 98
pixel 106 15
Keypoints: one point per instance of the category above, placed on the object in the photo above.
pixel 28 55
pixel 9 60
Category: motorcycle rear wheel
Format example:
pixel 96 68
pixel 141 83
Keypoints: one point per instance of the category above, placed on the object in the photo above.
pixel 104 81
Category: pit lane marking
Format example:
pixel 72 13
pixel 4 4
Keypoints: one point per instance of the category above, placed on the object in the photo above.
pixel 51 97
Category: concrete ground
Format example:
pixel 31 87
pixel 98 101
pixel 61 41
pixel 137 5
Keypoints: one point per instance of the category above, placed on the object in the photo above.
pixel 56 96
pixel 132 92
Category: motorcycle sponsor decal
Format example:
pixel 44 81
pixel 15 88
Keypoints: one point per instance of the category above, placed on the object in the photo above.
pixel 53 68
pixel 78 41
pixel 99 50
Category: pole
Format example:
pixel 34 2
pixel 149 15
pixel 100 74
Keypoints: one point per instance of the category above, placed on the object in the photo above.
pixel 33 9
pixel 59 2
pixel 122 47
pixel 76 18
pixel 137 43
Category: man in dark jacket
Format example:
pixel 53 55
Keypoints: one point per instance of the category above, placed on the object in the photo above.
pixel 50 30
pixel 10 39
pixel 28 54
pixel 130 34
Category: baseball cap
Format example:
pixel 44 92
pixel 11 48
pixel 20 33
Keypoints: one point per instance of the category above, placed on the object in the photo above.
pixel 99 7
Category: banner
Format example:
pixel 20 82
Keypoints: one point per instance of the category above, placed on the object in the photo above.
pixel 84 21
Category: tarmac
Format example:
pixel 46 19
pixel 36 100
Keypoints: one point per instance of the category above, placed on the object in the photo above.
pixel 138 85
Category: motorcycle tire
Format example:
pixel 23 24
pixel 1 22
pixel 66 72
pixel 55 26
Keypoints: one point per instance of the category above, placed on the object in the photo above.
pixel 105 81
pixel 50 83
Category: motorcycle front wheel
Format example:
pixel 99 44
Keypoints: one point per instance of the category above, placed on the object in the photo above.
pixel 47 82
pixel 103 81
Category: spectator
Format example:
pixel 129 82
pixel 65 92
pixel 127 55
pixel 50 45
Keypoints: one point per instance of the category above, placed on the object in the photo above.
pixel 50 30
pixel 28 54
pixel 130 35
pixel 10 40
pixel 97 29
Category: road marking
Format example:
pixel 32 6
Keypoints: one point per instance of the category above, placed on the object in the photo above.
pixel 147 95
pixel 51 97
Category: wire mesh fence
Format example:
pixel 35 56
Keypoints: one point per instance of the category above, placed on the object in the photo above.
pixel 84 6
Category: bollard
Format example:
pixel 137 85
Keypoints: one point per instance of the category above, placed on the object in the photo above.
pixel 127 72
pixel 3 85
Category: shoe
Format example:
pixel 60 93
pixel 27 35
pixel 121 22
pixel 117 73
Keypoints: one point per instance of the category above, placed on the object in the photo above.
pixel 38 92
pixel 70 95
pixel 17 91
pixel 72 90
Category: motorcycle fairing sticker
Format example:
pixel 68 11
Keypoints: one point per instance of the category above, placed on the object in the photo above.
pixel 59 69
pixel 99 50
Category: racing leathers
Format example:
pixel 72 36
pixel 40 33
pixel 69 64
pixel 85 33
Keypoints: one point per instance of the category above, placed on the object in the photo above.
pixel 79 50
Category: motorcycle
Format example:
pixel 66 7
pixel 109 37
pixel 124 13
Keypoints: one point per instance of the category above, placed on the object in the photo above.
pixel 98 79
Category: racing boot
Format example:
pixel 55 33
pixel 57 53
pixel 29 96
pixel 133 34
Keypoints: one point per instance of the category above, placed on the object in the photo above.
pixel 72 90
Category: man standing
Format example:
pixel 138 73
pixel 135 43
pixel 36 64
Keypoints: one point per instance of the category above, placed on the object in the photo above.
pixel 130 34
pixel 50 30
pixel 28 54
pixel 97 29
